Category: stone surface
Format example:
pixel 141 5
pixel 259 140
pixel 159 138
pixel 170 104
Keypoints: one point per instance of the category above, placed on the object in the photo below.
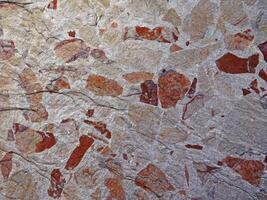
pixel 232 11
pixel 102 86
pixel 172 17
pixel 239 41
pixel 133 99
pixel 149 93
pixel 263 49
pixel 7 49
pixel 172 87
pixel 232 64
pixel 136 77
pixel 201 16
pixel 153 179
pixel 250 170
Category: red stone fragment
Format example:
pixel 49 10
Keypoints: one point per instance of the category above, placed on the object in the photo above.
pixel 220 163
pixel 254 86
pixel 48 141
pixel 19 128
pixel 38 113
pixel 192 89
pixel 27 137
pixel 160 34
pixel 253 61
pixel 197 198
pixel 90 112
pixel 136 77
pixel 7 49
pixel 115 188
pixel 239 41
pixel 194 146
pixel 57 183
pixel 182 192
pixel 263 74
pixel 263 49
pixel 174 48
pixel 114 167
pixel 149 93
pixel 72 33
pixel 103 86
pixel 152 179
pixel 186 173
pixel 203 169
pixel 71 50
pixel 62 83
pixel 6 165
pixel 230 63
pixel 148 34
pixel 99 55
pixel 100 149
pixel 105 151
pixel 78 153
pixel 172 87
pixel 246 35
pixel 125 156
pixel 114 24
pixel 52 5
pixel 174 36
pixel 245 91
pixel 100 126
pixel 250 170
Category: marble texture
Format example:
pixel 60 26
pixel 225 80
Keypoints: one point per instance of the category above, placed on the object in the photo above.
pixel 133 99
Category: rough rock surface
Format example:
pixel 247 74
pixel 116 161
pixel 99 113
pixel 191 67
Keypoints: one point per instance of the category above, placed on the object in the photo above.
pixel 133 99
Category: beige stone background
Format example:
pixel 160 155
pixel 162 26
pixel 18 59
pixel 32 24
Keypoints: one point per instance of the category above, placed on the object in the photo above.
pixel 133 99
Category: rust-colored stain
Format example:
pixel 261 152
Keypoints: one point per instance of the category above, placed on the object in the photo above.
pixel 115 188
pixel 57 183
pixel 149 93
pixel 232 64
pixel 52 5
pixel 137 77
pixel 250 170
pixel 172 87
pixel 263 74
pixel 263 49
pixel 151 178
pixel 48 141
pixel 78 153
pixel 101 127
pixel 194 146
pixel 90 112
pixel 254 86
pixel 103 86
pixel 148 34
pixel 72 33
pixel 245 91
pixel 6 165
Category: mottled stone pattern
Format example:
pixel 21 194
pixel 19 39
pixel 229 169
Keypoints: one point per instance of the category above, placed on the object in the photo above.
pixel 133 99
